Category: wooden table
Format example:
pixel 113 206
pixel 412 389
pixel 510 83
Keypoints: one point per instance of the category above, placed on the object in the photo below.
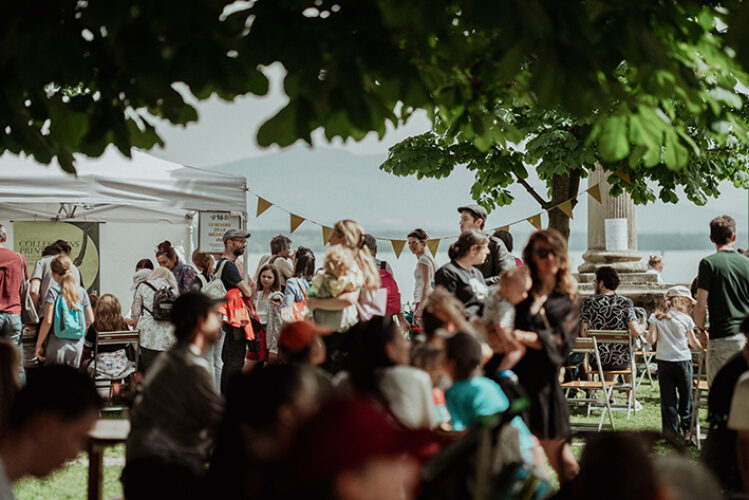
pixel 106 432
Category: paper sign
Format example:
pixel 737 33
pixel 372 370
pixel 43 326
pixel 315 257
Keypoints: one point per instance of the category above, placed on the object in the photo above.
pixel 617 237
pixel 211 229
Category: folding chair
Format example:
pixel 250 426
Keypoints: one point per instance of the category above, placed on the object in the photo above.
pixel 620 337
pixel 646 354
pixel 700 391
pixel 589 345
pixel 124 338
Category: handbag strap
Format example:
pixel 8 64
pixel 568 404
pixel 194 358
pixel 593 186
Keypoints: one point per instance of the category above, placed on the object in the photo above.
pixel 23 266
pixel 302 288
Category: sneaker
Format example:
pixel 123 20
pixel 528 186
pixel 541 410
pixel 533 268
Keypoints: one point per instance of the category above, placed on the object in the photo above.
pixel 638 406
pixel 690 439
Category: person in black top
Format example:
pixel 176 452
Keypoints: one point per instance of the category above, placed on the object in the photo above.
pixel 546 324
pixel 460 277
pixel 234 345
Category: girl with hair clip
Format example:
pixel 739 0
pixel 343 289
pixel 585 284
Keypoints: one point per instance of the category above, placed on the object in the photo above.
pixel 460 277
pixel 672 328
pixel 67 313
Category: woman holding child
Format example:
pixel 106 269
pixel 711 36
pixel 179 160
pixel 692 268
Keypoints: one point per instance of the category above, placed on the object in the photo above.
pixel 546 325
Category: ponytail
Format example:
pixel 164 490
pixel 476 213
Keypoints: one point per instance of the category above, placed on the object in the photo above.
pixel 63 267
pixel 467 240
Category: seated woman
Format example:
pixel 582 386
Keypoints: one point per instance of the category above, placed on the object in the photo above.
pixel 107 318
pixel 378 358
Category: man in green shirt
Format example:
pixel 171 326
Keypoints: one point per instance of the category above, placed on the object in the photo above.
pixel 723 292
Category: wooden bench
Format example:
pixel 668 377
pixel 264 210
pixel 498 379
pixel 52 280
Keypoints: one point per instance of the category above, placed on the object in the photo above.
pixel 106 432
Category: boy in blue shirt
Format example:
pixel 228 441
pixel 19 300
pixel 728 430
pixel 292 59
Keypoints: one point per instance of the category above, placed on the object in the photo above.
pixel 472 396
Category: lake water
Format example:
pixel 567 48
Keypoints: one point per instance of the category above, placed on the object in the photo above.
pixel 680 265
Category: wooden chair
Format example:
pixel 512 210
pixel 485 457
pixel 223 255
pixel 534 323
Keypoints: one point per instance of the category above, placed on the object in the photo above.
pixel 123 338
pixel 700 391
pixel 589 346
pixel 620 337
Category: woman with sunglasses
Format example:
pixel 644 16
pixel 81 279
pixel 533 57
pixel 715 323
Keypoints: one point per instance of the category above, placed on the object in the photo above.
pixel 546 323
pixel 459 276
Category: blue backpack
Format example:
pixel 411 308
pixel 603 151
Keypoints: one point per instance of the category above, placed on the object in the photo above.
pixel 69 323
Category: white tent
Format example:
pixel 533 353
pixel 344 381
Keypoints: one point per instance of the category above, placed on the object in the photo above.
pixel 143 200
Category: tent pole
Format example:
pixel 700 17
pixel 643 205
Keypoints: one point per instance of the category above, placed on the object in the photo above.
pixel 244 256
pixel 190 234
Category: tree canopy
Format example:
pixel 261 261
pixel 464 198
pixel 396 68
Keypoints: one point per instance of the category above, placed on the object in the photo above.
pixel 642 75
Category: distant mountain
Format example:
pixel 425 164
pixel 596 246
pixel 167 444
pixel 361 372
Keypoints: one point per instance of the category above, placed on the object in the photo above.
pixel 327 184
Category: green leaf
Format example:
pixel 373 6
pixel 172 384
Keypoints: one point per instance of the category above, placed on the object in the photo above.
pixel 613 144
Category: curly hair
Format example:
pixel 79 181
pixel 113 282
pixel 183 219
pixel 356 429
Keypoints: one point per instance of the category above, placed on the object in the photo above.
pixel 565 283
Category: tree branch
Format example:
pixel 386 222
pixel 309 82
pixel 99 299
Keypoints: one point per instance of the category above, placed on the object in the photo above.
pixel 544 204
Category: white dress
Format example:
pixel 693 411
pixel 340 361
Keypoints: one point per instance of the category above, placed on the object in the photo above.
pixel 428 261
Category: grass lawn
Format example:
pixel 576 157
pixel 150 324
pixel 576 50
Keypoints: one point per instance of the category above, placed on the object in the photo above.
pixel 70 482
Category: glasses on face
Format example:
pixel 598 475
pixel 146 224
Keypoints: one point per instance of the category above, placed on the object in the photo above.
pixel 239 240
pixel 542 253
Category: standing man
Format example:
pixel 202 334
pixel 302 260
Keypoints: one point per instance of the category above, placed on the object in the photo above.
pixel 499 259
pixel 723 292
pixel 13 272
pixel 176 416
pixel 234 345
pixel 280 258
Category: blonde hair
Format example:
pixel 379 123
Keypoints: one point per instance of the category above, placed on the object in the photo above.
pixel 62 266
pixel 515 276
pixel 108 314
pixel 339 260
pixel 165 274
pixel 352 236
pixel 678 303
pixel 654 260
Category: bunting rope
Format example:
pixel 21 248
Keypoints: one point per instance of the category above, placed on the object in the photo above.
pixel 433 243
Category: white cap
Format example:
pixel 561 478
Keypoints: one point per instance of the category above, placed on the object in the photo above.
pixel 680 291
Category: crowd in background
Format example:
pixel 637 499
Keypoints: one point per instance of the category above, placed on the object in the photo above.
pixel 310 379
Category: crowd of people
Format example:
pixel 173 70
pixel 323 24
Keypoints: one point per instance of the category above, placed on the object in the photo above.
pixel 310 380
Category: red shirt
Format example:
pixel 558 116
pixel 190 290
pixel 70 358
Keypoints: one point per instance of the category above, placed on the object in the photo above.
pixel 11 276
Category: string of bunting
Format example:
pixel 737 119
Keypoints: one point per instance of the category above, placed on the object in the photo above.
pixel 433 244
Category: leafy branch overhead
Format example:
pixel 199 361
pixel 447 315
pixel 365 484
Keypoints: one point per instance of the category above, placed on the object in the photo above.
pixel 641 76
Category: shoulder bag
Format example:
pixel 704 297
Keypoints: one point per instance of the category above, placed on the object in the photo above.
pixel 216 288
pixel 297 311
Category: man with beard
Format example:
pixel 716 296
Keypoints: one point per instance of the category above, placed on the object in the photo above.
pixel 232 345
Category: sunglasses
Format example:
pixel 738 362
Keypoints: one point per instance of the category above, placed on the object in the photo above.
pixel 542 253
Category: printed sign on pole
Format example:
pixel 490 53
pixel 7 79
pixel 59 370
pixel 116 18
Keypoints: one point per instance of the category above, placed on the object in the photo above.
pixel 211 229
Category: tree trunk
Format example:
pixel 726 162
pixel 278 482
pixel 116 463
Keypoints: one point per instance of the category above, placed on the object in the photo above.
pixel 563 188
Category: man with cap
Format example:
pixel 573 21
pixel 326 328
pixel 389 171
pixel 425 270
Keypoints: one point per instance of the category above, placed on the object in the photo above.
pixel 499 259
pixel 175 417
pixel 232 345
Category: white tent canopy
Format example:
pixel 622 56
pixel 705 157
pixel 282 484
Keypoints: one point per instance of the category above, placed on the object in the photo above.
pixel 114 187
pixel 142 201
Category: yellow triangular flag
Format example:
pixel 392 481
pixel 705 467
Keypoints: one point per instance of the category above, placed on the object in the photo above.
pixel 566 207
pixel 327 232
pixel 432 245
pixel 398 247
pixel 295 221
pixel 595 192
pixel 623 175
pixel 262 206
pixel 535 221
pixel 503 228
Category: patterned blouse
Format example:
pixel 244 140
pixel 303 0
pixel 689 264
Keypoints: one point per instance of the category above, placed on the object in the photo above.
pixel 154 335
pixel 185 275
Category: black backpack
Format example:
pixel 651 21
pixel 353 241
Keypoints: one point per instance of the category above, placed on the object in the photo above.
pixel 163 301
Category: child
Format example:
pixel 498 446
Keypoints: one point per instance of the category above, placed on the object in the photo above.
pixel 67 313
pixel 499 309
pixel 673 330
pixel 267 299
pixel 430 359
pixel 472 396
pixel 339 275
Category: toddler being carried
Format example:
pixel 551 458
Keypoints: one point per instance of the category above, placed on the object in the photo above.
pixel 339 275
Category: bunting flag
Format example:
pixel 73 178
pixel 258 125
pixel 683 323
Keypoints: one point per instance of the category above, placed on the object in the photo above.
pixel 623 175
pixel 432 245
pixel 566 207
pixel 295 221
pixel 262 206
pixel 503 228
pixel 535 221
pixel 398 247
pixel 327 232
pixel 595 192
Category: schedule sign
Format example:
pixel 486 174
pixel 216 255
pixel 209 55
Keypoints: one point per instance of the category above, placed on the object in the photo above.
pixel 211 229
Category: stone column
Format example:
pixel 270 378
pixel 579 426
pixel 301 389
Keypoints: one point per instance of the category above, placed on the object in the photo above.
pixel 620 207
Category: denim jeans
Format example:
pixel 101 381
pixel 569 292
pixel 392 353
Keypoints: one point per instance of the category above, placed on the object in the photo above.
pixel 675 377
pixel 212 354
pixel 12 329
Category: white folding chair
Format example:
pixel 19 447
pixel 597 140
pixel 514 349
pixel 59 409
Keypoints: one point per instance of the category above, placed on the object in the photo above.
pixel 620 337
